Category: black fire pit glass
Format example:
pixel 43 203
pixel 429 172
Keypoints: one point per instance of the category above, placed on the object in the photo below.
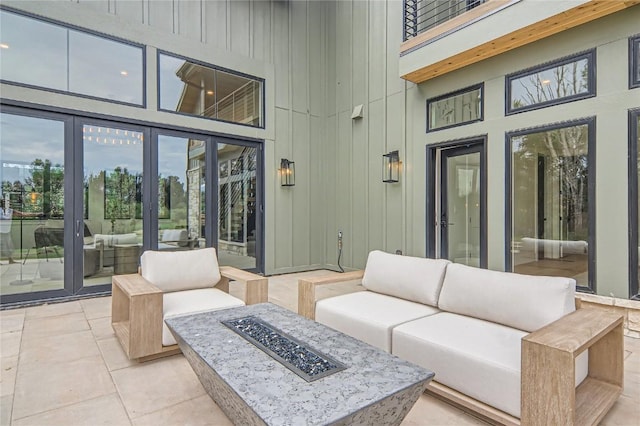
pixel 307 363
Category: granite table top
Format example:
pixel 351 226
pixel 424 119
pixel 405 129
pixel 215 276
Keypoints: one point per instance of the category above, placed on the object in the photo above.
pixel 277 395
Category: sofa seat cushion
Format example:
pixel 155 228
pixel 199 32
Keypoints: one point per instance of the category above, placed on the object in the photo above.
pixel 193 301
pixel 411 278
pixel 369 316
pixel 478 358
pixel 525 302
pixel 181 270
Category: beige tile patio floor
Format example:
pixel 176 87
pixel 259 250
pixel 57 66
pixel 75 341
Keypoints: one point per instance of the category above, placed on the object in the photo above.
pixel 62 365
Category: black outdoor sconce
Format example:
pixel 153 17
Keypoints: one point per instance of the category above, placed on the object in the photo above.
pixel 391 167
pixel 287 172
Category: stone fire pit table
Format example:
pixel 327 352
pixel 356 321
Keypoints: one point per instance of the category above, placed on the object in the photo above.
pixel 346 381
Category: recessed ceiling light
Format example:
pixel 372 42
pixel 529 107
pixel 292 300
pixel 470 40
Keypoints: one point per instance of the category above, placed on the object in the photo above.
pixel 4 46
pixel 124 73
pixel 209 92
pixel 546 81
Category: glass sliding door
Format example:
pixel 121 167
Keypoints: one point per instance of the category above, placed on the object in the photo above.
pixel 634 204
pixel 181 193
pixel 551 214
pixel 237 205
pixel 460 215
pixel 112 208
pixel 32 204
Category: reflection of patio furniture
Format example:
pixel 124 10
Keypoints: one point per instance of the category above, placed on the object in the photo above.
pixel 48 242
pixel 125 258
pixel 173 283
pixel 175 239
pixel 105 244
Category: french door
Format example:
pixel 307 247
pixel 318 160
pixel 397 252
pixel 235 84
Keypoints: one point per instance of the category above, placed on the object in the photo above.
pixel 82 199
pixel 456 210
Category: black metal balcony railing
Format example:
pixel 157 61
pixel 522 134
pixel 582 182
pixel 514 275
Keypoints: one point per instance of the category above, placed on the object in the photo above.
pixel 421 15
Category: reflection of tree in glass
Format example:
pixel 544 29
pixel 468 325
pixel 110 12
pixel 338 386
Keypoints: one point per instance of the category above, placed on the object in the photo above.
pixel 123 194
pixel 555 83
pixel 563 155
pixel 172 199
pixel 42 192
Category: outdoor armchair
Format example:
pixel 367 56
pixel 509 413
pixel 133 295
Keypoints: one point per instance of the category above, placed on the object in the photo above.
pixel 173 283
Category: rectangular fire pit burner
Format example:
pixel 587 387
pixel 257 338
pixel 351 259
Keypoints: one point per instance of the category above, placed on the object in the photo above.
pixel 307 363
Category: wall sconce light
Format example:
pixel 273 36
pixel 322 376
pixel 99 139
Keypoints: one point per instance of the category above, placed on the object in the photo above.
pixel 391 167
pixel 287 172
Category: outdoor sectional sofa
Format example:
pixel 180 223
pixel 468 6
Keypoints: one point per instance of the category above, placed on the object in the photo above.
pixel 510 347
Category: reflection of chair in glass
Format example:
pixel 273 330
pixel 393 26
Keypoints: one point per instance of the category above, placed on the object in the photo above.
pixel 174 239
pixel 50 240
pixel 173 283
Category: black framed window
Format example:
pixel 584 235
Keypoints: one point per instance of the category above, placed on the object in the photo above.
pixel 52 56
pixel 634 61
pixel 456 108
pixel 192 88
pixel 565 80
pixel 634 203
pixel 550 214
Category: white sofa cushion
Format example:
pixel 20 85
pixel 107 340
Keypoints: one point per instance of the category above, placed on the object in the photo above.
pixel 369 316
pixel 181 270
pixel 481 359
pixel 525 302
pixel 412 278
pixel 191 302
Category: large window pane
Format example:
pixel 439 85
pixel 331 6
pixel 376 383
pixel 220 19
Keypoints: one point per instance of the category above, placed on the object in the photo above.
pixel 634 62
pixel 54 57
pixel 112 202
pixel 455 109
pixel 237 205
pixel 195 89
pixel 635 288
pixel 105 68
pixel 561 81
pixel 32 52
pixel 32 203
pixel 181 185
pixel 550 203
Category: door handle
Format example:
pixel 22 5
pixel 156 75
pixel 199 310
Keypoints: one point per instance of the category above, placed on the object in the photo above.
pixel 77 228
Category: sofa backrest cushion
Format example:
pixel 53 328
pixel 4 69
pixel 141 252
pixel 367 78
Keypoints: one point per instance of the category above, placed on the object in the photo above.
pixel 525 302
pixel 181 270
pixel 410 278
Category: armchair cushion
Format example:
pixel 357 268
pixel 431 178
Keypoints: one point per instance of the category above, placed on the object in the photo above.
pixel 191 302
pixel 183 270
pixel 411 278
pixel 524 302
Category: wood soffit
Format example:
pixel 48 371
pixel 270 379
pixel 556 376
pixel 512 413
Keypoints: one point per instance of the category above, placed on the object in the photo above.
pixel 579 15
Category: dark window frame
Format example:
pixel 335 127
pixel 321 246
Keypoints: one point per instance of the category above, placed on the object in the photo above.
pixel 73 132
pixel 479 86
pixel 590 55
pixel 634 133
pixel 430 184
pixel 590 122
pixel 142 105
pixel 634 61
pixel 217 68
